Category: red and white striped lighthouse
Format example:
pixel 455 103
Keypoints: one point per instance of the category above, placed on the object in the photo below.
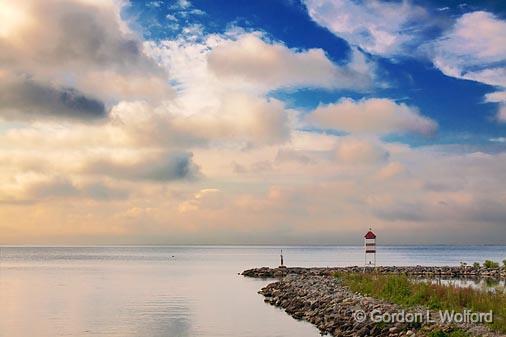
pixel 370 248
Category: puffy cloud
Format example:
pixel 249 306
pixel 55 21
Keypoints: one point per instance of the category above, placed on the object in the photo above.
pixel 475 49
pixel 391 170
pixel 60 187
pixel 82 46
pixel 26 99
pixel 273 65
pixel 379 27
pixel 356 151
pixel 36 188
pixel 498 97
pixel 375 115
pixel 236 118
pixel 501 114
pixel 155 167
pixel 290 155
pixel 205 198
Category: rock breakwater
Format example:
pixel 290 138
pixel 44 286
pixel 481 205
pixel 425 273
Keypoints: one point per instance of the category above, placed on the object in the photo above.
pixel 314 295
pixel 423 271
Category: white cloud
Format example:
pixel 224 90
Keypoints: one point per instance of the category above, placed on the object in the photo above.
pixel 475 49
pixel 501 113
pixel 498 139
pixel 498 97
pixel 205 198
pixel 391 170
pixel 375 115
pixel 356 151
pixel 237 118
pixel 80 46
pixel 273 65
pixel 379 27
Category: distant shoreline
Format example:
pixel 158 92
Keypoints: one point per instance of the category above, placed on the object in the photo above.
pixel 274 246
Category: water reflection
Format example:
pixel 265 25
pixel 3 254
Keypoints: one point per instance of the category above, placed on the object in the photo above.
pixel 143 291
pixel 164 317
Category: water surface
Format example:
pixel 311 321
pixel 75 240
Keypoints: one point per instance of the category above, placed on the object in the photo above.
pixel 171 291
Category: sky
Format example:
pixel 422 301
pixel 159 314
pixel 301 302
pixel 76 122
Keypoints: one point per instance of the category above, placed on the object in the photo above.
pixel 252 122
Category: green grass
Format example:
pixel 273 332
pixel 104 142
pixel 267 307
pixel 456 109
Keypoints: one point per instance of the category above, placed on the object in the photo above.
pixel 454 333
pixel 490 264
pixel 402 290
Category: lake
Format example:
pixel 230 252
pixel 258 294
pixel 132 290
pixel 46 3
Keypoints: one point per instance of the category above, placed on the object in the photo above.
pixel 172 291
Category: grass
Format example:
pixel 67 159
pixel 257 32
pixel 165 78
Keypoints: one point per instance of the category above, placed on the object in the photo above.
pixel 402 290
pixel 454 333
pixel 490 264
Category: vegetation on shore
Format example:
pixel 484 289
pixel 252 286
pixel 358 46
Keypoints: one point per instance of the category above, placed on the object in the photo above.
pixel 404 291
pixel 487 264
pixel 455 333
pixel 490 264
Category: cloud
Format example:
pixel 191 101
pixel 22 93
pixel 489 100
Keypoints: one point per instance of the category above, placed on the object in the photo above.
pixel 82 46
pixel 26 99
pixel 273 65
pixel 205 198
pixel 378 27
pixel 374 116
pixel 159 167
pixel 290 155
pixel 475 49
pixel 498 97
pixel 61 188
pixel 498 139
pixel 237 118
pixel 391 170
pixel 37 188
pixel 353 151
pixel 501 113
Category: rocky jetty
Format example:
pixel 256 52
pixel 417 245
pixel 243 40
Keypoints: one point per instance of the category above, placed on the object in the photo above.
pixel 314 295
pixel 467 272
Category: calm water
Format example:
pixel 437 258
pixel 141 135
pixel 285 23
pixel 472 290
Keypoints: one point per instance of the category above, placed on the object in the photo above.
pixel 171 291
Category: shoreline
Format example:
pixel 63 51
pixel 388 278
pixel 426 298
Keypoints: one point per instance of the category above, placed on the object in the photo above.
pixel 316 296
